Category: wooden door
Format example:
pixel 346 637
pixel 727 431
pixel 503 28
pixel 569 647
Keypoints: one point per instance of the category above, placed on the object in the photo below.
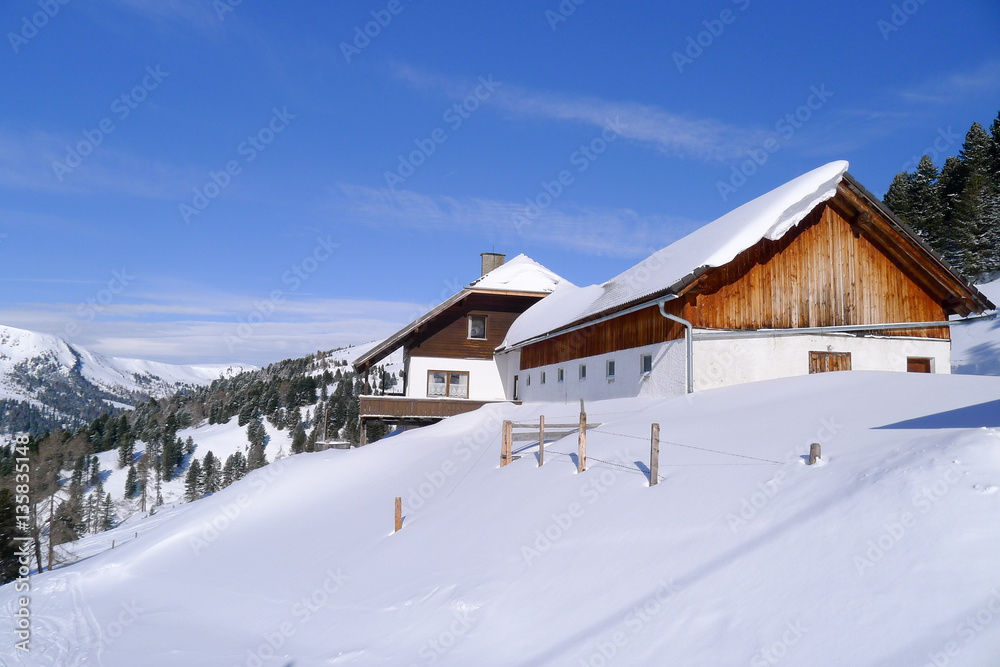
pixel 918 365
pixel 826 362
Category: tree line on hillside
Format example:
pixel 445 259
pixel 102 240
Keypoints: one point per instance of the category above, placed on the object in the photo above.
pixel 313 398
pixel 956 209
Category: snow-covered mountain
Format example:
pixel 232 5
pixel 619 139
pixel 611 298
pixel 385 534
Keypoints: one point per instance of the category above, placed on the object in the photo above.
pixel 68 384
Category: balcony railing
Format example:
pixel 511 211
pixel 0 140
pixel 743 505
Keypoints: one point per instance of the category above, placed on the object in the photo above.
pixel 401 407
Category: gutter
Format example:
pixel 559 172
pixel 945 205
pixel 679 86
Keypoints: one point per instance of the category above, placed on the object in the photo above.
pixel 688 338
pixel 847 328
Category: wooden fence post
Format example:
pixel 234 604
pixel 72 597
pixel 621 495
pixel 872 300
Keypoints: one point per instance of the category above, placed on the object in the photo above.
pixel 541 440
pixel 399 514
pixel 654 455
pixel 814 453
pixel 581 463
pixel 505 445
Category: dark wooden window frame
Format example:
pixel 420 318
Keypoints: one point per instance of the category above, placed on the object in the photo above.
pixel 468 325
pixel 447 383
pixel 919 364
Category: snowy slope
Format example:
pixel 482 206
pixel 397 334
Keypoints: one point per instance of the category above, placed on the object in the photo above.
pixel 883 555
pixel 975 347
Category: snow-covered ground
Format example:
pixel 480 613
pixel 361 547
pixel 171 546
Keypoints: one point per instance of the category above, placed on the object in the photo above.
pixel 975 347
pixel 883 555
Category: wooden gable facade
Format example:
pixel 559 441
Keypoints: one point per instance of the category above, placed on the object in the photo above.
pixel 849 262
pixel 447 335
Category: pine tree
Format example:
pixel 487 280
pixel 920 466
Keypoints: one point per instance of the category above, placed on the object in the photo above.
pixel 211 471
pixel 189 446
pixel 95 471
pixel 108 513
pixel 192 483
pixel 130 481
pixel 126 451
pixel 257 437
pixel 298 440
pixel 9 537
pixel 235 468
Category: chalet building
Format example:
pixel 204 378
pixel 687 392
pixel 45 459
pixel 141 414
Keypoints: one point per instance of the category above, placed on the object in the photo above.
pixel 814 276
pixel 448 365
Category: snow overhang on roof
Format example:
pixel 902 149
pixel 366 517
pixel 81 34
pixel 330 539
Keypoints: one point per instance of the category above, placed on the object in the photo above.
pixel 769 216
pixel 669 270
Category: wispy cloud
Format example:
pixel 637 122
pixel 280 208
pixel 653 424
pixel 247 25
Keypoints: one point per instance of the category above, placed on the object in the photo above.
pixel 586 230
pixel 672 133
pixel 26 164
pixel 195 325
pixel 957 86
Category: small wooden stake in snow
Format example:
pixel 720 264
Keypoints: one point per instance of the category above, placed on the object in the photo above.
pixel 581 462
pixel 541 440
pixel 505 444
pixel 654 455
pixel 399 513
pixel 814 453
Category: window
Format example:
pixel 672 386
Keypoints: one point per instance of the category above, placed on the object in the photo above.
pixel 583 371
pixel 646 363
pixel 516 396
pixel 450 384
pixel 559 375
pixel 611 368
pixel 919 365
pixel 527 380
pixel 477 327
pixel 542 379
pixel 825 362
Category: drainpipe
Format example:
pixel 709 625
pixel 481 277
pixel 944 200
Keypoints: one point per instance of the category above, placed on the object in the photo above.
pixel 688 337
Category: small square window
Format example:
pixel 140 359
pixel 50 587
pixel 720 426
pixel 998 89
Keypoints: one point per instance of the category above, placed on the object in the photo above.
pixel 541 380
pixel 583 371
pixel 559 375
pixel 646 363
pixel 477 327
pixel 611 368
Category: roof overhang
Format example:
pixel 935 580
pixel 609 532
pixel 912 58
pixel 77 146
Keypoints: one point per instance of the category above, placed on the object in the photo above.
pixel 399 339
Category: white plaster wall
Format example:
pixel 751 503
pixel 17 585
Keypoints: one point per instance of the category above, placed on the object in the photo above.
pixel 666 379
pixel 484 378
pixel 719 363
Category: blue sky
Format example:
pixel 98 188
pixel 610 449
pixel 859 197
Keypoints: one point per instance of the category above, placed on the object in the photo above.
pixel 192 181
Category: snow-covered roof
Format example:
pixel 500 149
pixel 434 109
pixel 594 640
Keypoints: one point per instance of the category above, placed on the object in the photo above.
pixel 769 216
pixel 520 274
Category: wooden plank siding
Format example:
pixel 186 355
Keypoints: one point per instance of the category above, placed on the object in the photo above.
pixel 390 407
pixel 448 336
pixel 825 272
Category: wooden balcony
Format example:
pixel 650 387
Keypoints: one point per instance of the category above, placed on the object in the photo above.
pixel 403 408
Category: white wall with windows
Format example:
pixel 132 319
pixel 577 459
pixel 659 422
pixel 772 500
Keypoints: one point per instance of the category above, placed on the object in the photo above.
pixel 723 362
pixel 438 377
pixel 653 370
pixel 660 370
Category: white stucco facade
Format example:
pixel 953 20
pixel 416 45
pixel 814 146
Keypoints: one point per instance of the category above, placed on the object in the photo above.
pixel 484 379
pixel 723 362
pixel 717 363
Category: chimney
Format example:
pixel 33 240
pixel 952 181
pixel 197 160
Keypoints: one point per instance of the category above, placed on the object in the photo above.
pixel 491 260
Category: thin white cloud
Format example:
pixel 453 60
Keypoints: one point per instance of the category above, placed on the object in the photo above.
pixel 957 86
pixel 27 159
pixel 215 327
pixel 586 230
pixel 672 133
